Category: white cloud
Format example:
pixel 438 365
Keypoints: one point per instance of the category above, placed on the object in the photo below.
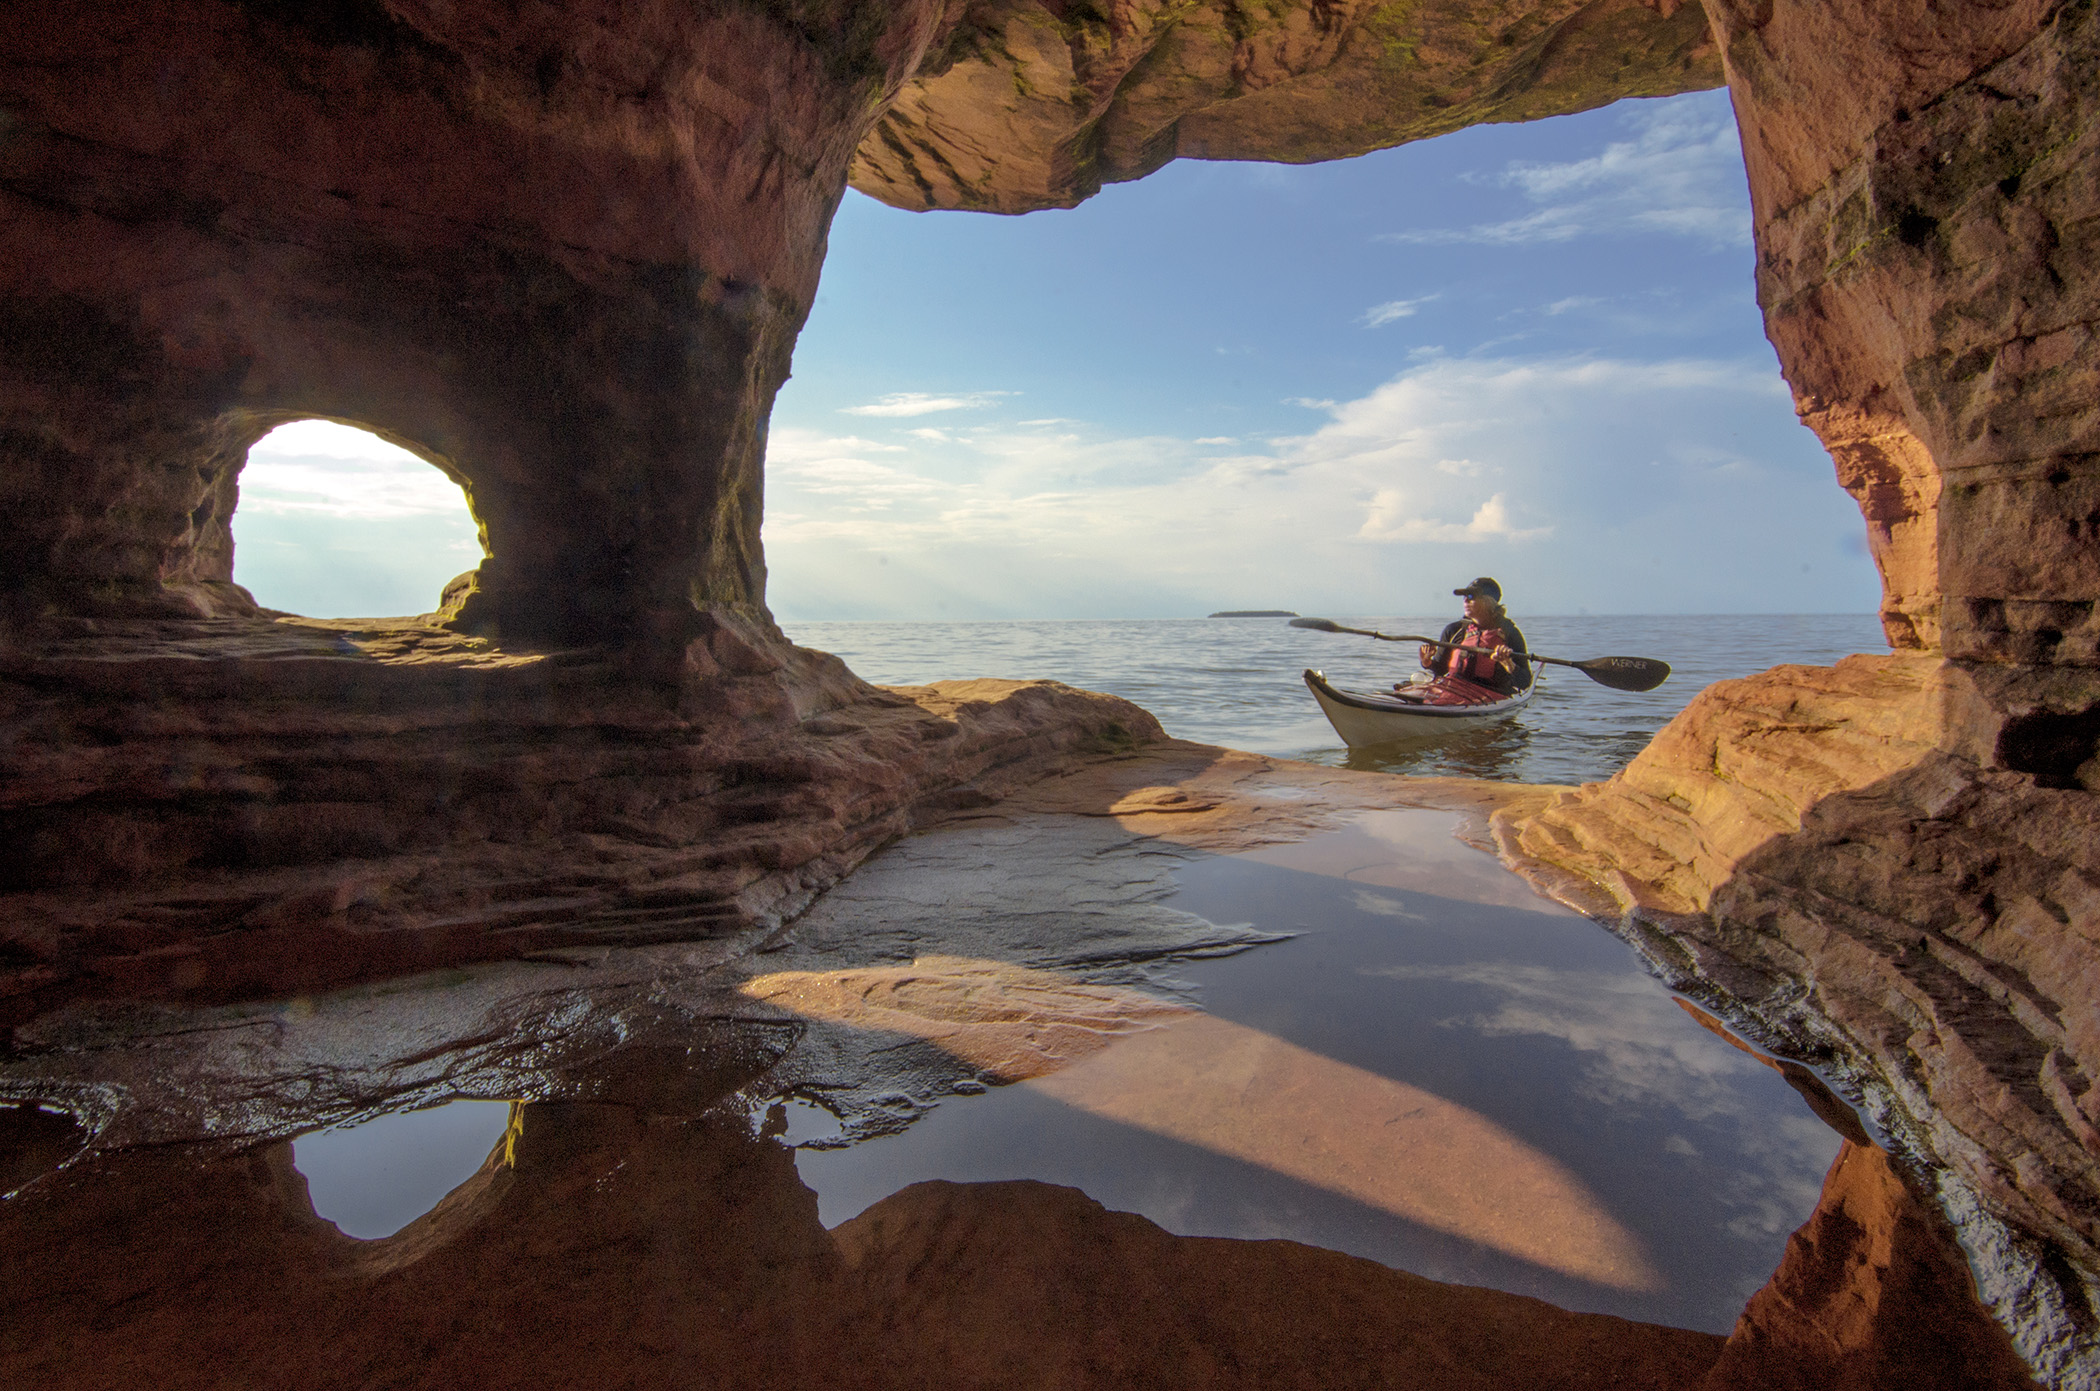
pixel 320 468
pixel 1379 315
pixel 1529 464
pixel 1641 1051
pixel 1680 175
pixel 1562 306
pixel 1389 520
pixel 790 446
pixel 908 403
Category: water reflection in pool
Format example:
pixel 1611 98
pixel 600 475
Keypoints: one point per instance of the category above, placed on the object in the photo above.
pixel 375 1178
pixel 1489 751
pixel 1442 1072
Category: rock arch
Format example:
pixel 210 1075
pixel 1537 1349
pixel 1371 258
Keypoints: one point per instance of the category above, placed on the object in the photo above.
pixel 575 257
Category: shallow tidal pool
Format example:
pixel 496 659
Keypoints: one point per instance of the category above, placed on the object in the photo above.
pixel 1441 1071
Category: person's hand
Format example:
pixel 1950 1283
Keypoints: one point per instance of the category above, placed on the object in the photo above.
pixel 1504 658
pixel 1428 655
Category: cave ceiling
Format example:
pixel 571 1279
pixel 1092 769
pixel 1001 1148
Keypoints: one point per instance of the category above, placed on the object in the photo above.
pixel 1036 104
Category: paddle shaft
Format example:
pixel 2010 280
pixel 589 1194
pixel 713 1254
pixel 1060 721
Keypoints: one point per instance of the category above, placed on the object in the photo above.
pixel 1439 642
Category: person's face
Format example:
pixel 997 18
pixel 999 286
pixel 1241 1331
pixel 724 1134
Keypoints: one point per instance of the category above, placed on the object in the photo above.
pixel 1479 608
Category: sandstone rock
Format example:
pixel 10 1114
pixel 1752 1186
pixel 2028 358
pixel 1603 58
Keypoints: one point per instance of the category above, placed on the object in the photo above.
pixel 645 1235
pixel 1041 1286
pixel 634 1200
pixel 1037 103
pixel 563 256
pixel 235 808
pixel 1871 1293
pixel 660 1250
pixel 1887 871
pixel 1925 244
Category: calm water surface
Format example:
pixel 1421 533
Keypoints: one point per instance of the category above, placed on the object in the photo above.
pixel 1235 681
pixel 1445 1033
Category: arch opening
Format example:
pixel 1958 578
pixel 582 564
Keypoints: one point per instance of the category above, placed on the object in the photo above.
pixel 1529 350
pixel 334 521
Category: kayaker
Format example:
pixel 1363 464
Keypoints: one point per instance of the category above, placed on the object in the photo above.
pixel 1466 678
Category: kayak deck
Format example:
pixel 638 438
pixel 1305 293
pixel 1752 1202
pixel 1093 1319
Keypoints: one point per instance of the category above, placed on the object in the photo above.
pixel 1367 718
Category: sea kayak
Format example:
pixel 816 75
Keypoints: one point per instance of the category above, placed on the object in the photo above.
pixel 1366 718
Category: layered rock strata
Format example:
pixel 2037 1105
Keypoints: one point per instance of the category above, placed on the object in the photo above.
pixel 1842 861
pixel 1872 1292
pixel 240 808
pixel 1891 865
pixel 563 256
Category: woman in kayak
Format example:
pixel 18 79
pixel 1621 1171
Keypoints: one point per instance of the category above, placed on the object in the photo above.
pixel 1476 678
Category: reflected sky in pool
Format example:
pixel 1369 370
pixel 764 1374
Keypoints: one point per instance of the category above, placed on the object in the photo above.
pixel 1420 963
pixel 375 1178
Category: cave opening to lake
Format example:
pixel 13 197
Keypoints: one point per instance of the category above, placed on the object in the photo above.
pixel 336 522
pixel 1529 350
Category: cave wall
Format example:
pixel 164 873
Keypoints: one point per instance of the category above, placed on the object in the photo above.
pixel 1038 103
pixel 1925 252
pixel 561 252
pixel 564 255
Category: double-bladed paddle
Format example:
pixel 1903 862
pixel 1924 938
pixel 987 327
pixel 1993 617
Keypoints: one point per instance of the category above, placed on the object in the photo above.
pixel 1619 673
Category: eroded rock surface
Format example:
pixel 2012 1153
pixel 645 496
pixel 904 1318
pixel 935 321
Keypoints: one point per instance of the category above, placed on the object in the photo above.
pixel 562 253
pixel 1872 1293
pixel 690 1252
pixel 241 808
pixel 1926 238
pixel 1844 861
pixel 1891 865
pixel 1038 103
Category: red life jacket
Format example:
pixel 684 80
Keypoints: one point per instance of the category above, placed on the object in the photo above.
pixel 1477 666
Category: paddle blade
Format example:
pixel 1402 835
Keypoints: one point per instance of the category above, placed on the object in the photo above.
pixel 1320 625
pixel 1625 673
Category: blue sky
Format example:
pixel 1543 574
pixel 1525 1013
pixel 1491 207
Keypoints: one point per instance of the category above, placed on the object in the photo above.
pixel 1530 351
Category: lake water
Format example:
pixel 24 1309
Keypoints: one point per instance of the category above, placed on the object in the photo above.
pixel 1236 681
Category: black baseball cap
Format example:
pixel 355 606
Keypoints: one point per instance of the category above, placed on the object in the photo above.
pixel 1481 586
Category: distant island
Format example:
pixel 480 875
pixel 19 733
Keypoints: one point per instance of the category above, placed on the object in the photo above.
pixel 1255 613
